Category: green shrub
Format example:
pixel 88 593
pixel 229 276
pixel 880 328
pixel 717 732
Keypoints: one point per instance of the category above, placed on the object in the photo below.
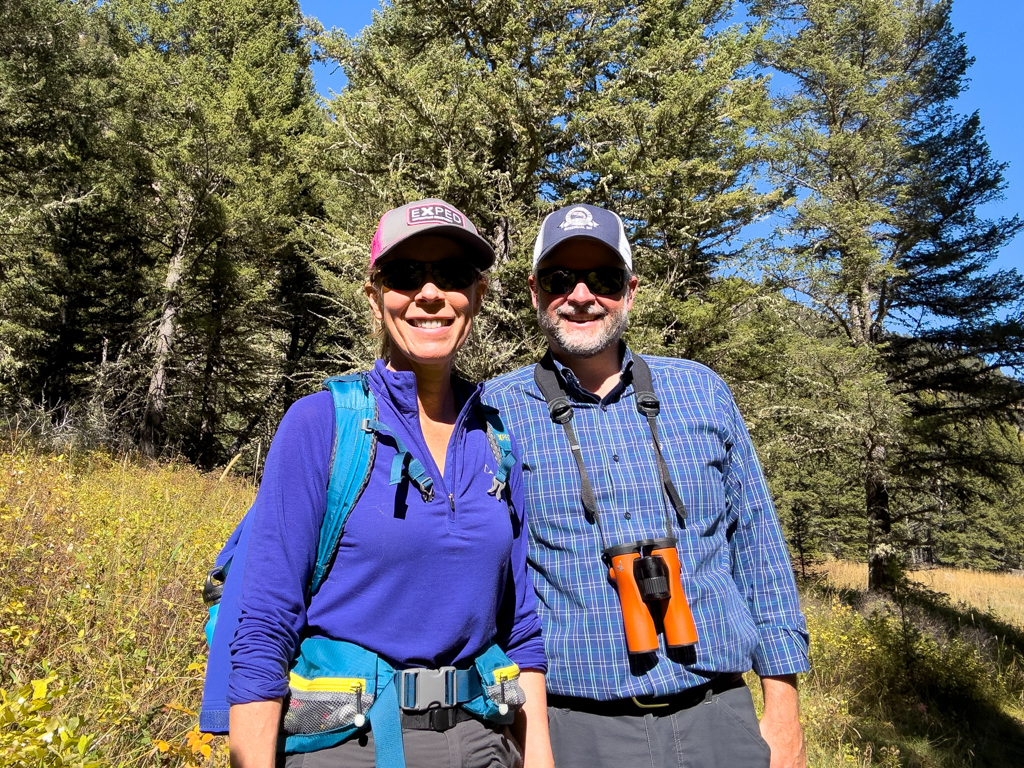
pixel 30 735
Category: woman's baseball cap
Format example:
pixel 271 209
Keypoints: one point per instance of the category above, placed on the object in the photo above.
pixel 429 217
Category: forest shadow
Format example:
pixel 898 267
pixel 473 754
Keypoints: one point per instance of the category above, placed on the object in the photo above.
pixel 959 618
pixel 939 683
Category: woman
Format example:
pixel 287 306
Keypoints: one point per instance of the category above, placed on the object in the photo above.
pixel 421 580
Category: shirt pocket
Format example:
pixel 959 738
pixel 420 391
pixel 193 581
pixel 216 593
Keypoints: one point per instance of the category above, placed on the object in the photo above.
pixel 697 456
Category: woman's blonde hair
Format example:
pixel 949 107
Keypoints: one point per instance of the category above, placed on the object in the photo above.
pixel 379 330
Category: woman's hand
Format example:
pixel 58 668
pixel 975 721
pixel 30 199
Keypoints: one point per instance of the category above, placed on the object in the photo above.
pixel 531 724
pixel 253 733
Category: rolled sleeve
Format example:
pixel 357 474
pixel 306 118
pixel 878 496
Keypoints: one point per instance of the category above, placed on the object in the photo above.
pixel 761 563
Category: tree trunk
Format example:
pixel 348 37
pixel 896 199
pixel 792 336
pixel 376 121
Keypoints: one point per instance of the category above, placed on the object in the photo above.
pixel 156 401
pixel 882 564
pixel 501 240
pixel 206 454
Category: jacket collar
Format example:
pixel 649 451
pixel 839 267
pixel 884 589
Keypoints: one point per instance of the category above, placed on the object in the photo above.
pixel 399 387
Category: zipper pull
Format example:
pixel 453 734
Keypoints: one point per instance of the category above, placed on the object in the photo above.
pixel 451 501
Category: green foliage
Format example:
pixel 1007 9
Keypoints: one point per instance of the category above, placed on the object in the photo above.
pixel 890 686
pixel 186 227
pixel 100 578
pixel 885 242
pixel 158 275
pixel 504 108
pixel 31 736
pixel 101 581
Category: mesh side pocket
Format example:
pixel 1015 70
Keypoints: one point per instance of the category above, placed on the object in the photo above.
pixel 508 692
pixel 319 711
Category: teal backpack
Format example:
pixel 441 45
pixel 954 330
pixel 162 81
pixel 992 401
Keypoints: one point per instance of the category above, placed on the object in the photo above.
pixel 325 667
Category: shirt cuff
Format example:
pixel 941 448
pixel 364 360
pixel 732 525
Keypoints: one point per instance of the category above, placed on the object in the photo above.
pixel 782 651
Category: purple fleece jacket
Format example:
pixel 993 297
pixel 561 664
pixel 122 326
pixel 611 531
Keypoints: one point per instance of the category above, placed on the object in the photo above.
pixel 424 584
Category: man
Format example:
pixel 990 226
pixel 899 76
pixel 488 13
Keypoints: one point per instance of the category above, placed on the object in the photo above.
pixel 687 471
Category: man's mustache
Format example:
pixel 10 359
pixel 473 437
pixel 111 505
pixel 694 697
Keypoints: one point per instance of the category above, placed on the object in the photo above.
pixel 590 310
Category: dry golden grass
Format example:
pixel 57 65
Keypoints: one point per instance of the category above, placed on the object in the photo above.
pixel 100 576
pixel 103 558
pixel 846 574
pixel 999 594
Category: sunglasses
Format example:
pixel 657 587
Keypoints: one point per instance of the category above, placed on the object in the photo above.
pixel 600 280
pixel 447 274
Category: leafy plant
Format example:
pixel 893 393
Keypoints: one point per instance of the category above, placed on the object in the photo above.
pixel 30 735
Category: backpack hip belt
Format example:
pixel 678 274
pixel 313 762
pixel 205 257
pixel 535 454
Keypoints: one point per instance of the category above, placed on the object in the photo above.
pixel 338 688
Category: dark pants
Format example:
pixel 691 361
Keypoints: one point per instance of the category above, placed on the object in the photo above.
pixel 719 732
pixel 470 744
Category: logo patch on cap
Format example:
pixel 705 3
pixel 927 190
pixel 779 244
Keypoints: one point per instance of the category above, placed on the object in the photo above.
pixel 435 214
pixel 578 218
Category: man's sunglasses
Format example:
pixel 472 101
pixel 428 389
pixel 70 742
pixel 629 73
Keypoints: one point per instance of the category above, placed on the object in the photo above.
pixel 453 274
pixel 600 280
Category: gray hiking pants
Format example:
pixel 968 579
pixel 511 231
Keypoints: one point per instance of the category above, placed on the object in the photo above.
pixel 719 732
pixel 469 744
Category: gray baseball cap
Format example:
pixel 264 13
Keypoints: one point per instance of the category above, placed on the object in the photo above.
pixel 583 221
pixel 429 217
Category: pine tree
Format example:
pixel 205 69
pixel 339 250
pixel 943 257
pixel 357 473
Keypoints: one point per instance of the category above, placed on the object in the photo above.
pixel 885 239
pixel 58 86
pixel 221 101
pixel 507 108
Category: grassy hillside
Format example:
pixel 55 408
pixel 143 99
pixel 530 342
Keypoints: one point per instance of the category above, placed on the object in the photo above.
pixel 999 594
pixel 102 650
pixel 100 574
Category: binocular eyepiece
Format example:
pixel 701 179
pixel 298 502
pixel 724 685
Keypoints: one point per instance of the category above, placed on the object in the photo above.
pixel 647 574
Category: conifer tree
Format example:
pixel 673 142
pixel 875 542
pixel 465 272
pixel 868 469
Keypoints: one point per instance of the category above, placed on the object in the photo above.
pixel 507 108
pixel 885 239
pixel 221 101
pixel 57 90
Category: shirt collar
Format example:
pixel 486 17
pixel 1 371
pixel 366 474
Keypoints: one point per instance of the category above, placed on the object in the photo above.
pixel 400 388
pixel 581 395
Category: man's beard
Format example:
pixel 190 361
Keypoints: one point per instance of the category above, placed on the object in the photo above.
pixel 614 324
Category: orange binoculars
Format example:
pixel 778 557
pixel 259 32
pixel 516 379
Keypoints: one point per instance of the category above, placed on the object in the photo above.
pixel 647 576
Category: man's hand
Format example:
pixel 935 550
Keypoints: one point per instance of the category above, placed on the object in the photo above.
pixel 780 725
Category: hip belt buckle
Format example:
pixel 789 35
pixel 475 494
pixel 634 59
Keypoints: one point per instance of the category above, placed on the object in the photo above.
pixel 423 689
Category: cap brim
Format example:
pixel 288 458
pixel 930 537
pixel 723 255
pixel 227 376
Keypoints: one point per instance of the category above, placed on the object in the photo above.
pixel 479 251
pixel 580 236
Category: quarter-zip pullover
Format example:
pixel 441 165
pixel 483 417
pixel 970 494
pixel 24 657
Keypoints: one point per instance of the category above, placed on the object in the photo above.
pixel 422 583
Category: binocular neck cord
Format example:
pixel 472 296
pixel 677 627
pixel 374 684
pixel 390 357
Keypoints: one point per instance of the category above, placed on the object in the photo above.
pixel 561 412
pixel 647 405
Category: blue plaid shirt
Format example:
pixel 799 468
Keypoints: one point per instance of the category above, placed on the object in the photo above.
pixel 736 569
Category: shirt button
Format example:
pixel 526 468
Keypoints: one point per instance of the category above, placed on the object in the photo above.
pixel 627 515
pixel 615 457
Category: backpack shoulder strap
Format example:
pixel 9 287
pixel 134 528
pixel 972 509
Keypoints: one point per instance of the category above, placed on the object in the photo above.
pixel 501 447
pixel 351 462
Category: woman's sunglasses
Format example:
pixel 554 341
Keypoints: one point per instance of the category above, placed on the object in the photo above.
pixel 600 280
pixel 447 274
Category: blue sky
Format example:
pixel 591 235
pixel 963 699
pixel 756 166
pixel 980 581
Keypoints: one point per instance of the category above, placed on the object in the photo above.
pixel 992 28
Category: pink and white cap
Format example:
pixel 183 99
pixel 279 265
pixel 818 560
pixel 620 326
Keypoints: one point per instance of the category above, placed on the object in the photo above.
pixel 429 217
